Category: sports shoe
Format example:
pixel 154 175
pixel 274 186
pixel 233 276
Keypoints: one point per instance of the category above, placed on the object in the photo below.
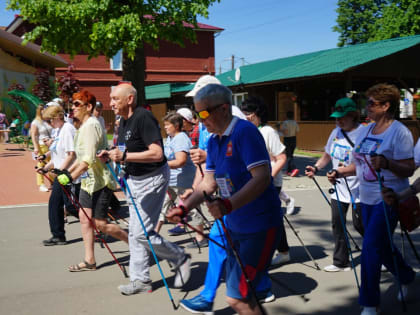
pixel 183 272
pixel 280 259
pixel 54 241
pixel 177 230
pixel 294 172
pixel 198 305
pixel 370 310
pixel 203 243
pixel 290 206
pixel 334 268
pixel 266 296
pixel 135 287
pixel 43 188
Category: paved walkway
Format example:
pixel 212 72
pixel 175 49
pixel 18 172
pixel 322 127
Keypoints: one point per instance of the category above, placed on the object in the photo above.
pixel 34 279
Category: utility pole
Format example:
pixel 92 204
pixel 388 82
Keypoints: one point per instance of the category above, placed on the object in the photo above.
pixel 233 62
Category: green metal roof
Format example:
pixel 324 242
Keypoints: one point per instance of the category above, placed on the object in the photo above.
pixel 162 90
pixel 324 62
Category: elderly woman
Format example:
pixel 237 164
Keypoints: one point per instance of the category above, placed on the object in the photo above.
pixel 40 132
pixel 97 183
pixel 338 151
pixel 238 165
pixel 62 157
pixel 384 148
pixel 176 148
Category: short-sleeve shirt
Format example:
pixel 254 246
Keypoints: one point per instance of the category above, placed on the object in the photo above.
pixel 417 153
pixel 136 134
pixel 274 148
pixel 394 143
pixel 183 176
pixel 44 130
pixel 340 151
pixel 230 158
pixel 292 128
pixel 62 144
pixel 87 142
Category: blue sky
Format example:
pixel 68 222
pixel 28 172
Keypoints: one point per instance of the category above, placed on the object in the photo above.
pixel 263 29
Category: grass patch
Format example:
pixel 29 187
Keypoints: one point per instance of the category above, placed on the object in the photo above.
pixel 316 154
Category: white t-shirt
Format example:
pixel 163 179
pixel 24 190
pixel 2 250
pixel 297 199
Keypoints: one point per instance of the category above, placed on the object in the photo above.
pixel 274 148
pixel 394 143
pixel 290 127
pixel 339 149
pixel 63 143
pixel 44 130
pixel 417 153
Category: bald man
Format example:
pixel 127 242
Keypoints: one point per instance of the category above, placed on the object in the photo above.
pixel 140 151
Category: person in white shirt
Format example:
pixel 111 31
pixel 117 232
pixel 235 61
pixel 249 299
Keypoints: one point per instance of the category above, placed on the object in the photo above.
pixel 338 151
pixel 290 128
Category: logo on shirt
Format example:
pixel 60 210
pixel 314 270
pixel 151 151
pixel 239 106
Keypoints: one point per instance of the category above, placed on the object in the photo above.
pixel 128 135
pixel 229 149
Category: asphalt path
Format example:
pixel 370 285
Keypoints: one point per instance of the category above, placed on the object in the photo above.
pixel 35 280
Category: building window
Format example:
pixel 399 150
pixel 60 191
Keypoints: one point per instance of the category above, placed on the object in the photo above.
pixel 116 61
pixel 238 98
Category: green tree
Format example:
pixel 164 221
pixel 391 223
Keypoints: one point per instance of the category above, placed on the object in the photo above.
pixel 104 27
pixel 399 18
pixel 356 20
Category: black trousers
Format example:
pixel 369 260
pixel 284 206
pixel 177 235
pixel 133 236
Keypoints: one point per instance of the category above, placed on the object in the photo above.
pixel 341 254
pixel 58 199
pixel 283 245
pixel 290 143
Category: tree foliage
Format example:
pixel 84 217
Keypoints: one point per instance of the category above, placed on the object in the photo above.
pixel 106 26
pixel 67 85
pixel 42 88
pixel 361 21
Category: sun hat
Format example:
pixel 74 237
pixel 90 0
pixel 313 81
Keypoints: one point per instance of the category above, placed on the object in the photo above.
pixel 202 82
pixel 343 106
pixel 186 114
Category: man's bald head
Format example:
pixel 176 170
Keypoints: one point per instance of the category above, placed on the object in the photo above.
pixel 125 90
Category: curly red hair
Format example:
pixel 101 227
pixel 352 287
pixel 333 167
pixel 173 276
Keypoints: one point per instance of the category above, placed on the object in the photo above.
pixel 86 97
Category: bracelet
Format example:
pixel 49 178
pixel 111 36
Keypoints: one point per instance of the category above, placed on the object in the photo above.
pixel 124 157
pixel 316 169
pixel 227 204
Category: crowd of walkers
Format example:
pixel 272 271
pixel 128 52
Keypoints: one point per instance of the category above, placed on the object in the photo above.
pixel 227 161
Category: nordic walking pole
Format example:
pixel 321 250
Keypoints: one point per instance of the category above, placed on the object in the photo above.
pixel 72 198
pixel 128 194
pixel 394 258
pixel 238 259
pixel 329 203
pixel 343 224
pixel 301 242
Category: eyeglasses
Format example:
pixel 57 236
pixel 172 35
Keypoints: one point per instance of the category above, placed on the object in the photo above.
pixel 78 104
pixel 204 114
pixel 371 103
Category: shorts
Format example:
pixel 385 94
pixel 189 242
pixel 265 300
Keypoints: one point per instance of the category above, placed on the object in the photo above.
pixel 255 251
pixel 99 202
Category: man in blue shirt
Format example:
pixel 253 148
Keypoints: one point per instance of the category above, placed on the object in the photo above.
pixel 239 166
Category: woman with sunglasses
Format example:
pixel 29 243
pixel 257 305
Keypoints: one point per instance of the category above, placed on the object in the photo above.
pixel 383 154
pixel 97 184
pixel 338 151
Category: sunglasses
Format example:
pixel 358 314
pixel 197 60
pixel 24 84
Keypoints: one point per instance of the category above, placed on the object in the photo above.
pixel 371 103
pixel 78 103
pixel 204 114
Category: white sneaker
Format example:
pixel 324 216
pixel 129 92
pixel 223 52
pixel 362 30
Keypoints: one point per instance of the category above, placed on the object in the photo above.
pixel 369 310
pixel 334 268
pixel 280 259
pixel 290 206
pixel 183 273
pixel 43 188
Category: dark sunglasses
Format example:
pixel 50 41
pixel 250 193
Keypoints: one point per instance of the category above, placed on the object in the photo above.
pixel 78 103
pixel 371 103
pixel 204 114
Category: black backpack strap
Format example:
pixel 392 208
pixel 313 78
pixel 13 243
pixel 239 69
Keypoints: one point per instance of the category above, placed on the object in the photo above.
pixel 347 138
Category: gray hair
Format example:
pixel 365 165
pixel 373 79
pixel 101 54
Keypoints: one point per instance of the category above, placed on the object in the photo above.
pixel 132 91
pixel 214 94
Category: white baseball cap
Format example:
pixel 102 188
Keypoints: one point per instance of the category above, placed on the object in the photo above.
pixel 202 82
pixel 52 103
pixel 58 100
pixel 186 114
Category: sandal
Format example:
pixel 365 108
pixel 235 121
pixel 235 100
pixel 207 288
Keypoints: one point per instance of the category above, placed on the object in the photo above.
pixel 83 266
